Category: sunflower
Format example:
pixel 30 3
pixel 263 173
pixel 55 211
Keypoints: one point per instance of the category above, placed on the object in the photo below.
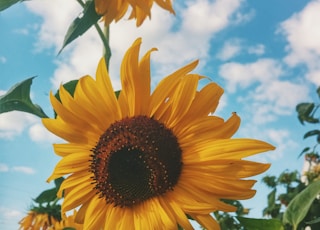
pixel 116 9
pixel 149 160
pixel 67 222
pixel 35 220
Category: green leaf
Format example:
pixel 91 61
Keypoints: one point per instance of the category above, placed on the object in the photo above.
pixel 304 110
pixel 58 182
pixel 47 196
pixel 70 86
pixel 299 206
pixel 303 151
pixel 260 224
pixel 68 228
pixel 4 4
pixel 311 133
pixel 272 197
pixel 317 220
pixel 18 98
pixel 117 93
pixel 81 24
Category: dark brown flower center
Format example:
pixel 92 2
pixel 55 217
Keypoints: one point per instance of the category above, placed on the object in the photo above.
pixel 135 159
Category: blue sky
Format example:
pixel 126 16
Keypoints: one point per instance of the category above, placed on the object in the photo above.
pixel 265 54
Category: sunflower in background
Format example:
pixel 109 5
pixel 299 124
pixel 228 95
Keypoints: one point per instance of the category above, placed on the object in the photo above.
pixel 67 222
pixel 116 9
pixel 36 220
pixel 147 160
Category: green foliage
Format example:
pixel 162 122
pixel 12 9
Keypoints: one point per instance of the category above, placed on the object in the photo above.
pixel 292 184
pixel 307 112
pixel 300 201
pixel 81 24
pixel 52 209
pixel 300 205
pixel 70 86
pixel 4 4
pixel 49 195
pixel 228 221
pixel 260 224
pixel 18 98
pixel 46 202
pixel 311 133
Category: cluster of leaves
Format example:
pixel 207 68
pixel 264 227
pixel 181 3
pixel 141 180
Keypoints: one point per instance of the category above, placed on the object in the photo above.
pixel 298 205
pixel 47 201
pixel 228 221
pixel 307 113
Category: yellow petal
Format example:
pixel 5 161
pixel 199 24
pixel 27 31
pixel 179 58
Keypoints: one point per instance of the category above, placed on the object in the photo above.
pixel 95 214
pixel 75 162
pixel 182 98
pixel 225 149
pixel 77 107
pixel 167 87
pixel 206 221
pixel 69 148
pixel 106 89
pixel 129 71
pixel 227 168
pixel 205 102
pixel 174 209
pixel 73 197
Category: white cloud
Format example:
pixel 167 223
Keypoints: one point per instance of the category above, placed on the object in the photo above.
pixel 13 123
pixel 9 216
pixel 258 49
pixel 23 169
pixel 276 98
pixel 281 139
pixel 23 31
pixel 57 16
pixel 235 46
pixel 3 59
pixel 244 75
pixel 39 133
pixel 241 18
pixel 177 43
pixel 230 49
pixel 303 36
pixel 283 94
pixel 4 167
pixel 198 13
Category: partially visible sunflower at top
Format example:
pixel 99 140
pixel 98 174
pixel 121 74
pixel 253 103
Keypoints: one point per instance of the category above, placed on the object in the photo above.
pixel 116 9
pixel 146 160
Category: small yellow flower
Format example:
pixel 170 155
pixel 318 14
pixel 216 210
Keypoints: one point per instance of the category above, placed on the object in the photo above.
pixel 36 220
pixel 116 9
pixel 67 222
pixel 147 160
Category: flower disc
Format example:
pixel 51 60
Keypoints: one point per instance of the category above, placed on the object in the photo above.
pixel 135 159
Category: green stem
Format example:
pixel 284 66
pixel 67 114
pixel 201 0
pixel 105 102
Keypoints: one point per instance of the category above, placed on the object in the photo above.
pixel 104 35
